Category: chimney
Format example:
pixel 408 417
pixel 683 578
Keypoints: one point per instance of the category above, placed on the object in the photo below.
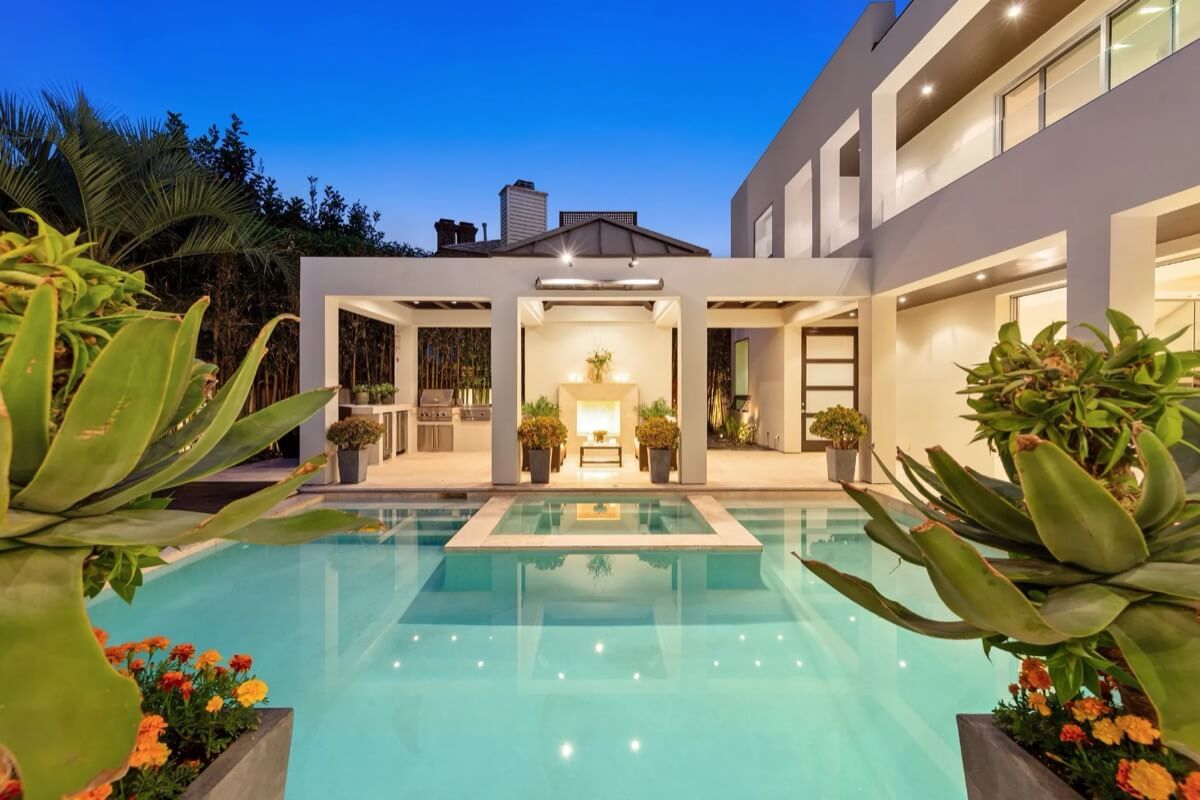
pixel 447 232
pixel 484 231
pixel 522 211
pixel 466 232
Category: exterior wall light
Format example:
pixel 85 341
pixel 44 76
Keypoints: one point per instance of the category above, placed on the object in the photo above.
pixel 927 89
pixel 633 262
pixel 566 259
pixel 1015 10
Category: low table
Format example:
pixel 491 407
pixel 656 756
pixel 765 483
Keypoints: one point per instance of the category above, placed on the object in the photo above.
pixel 607 447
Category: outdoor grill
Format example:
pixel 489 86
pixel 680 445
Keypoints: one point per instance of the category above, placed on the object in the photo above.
pixel 475 413
pixel 436 405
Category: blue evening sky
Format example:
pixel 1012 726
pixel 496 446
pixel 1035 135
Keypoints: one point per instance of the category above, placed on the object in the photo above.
pixel 424 110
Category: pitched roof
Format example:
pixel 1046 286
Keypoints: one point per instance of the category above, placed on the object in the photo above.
pixel 600 236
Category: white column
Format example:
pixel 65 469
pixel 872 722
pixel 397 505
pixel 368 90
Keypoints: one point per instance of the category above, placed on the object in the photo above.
pixel 693 389
pixel 877 382
pixel 793 391
pixel 1110 264
pixel 318 368
pixel 882 153
pixel 506 393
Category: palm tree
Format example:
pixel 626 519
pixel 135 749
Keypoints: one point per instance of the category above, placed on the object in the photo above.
pixel 132 187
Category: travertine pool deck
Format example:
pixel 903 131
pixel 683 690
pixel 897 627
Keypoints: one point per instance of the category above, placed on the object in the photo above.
pixel 478 535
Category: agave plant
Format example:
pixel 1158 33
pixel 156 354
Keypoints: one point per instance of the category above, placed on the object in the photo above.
pixel 1079 575
pixel 82 449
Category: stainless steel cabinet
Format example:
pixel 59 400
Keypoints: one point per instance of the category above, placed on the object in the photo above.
pixel 435 438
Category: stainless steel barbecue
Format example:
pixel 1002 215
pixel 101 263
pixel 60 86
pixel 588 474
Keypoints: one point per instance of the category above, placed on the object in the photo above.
pixel 475 413
pixel 436 405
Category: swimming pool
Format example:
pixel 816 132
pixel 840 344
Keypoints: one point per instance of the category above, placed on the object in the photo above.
pixel 519 675
pixel 599 515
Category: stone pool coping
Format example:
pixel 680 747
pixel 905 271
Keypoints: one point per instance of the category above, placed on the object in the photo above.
pixel 478 535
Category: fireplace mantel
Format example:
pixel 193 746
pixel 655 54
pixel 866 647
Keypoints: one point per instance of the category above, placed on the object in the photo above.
pixel 570 394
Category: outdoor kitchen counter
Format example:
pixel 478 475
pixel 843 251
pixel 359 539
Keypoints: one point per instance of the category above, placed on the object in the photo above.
pixel 399 419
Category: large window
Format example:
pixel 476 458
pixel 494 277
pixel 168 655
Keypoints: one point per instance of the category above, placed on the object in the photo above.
pixel 1140 37
pixel 1073 79
pixel 1022 111
pixel 763 246
pixel 741 368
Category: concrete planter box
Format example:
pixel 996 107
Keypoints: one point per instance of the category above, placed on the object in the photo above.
pixel 352 465
pixel 539 466
pixel 996 767
pixel 660 465
pixel 841 464
pixel 254 767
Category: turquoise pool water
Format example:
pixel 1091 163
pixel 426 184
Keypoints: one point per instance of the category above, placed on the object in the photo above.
pixel 697 676
pixel 596 514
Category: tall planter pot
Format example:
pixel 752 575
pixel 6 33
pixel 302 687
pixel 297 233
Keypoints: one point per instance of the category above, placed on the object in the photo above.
pixel 660 465
pixel 362 399
pixel 352 465
pixel 254 767
pixel 539 466
pixel 841 464
pixel 996 768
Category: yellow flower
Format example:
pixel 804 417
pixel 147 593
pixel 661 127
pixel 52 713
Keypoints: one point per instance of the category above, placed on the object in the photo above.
pixel 207 659
pixel 1152 780
pixel 250 692
pixel 1138 729
pixel 1038 701
pixel 1088 709
pixel 1105 730
pixel 215 704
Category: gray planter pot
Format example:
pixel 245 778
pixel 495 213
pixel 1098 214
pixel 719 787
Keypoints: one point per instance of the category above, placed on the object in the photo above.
pixel 352 465
pixel 660 465
pixel 254 767
pixel 841 464
pixel 539 466
pixel 387 399
pixel 996 767
pixel 362 399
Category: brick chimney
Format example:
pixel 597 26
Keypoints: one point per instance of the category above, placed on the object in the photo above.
pixel 522 211
pixel 447 232
pixel 466 232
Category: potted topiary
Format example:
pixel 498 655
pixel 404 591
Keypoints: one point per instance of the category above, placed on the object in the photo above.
pixel 387 394
pixel 1083 564
pixel 353 435
pixel 362 394
pixel 843 427
pixel 659 435
pixel 542 407
pixel 659 408
pixel 541 435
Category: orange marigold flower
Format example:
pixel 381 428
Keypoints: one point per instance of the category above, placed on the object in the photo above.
pixel 207 659
pixel 1089 708
pixel 157 642
pixel 171 680
pixel 117 653
pixel 1122 780
pixel 1013 689
pixel 139 647
pixel 1038 702
pixel 154 754
pixel 151 726
pixel 1034 675
pixel 137 665
pixel 1138 729
pixel 1190 788
pixel 1152 780
pixel 10 789
pixel 183 652
pixel 101 636
pixel 1072 733
pixel 99 793
pixel 240 662
pixel 186 688
pixel 1105 730
pixel 250 692
pixel 214 704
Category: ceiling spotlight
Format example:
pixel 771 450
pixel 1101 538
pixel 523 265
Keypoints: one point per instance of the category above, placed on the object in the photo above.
pixel 566 259
pixel 903 299
pixel 927 89
pixel 981 276
pixel 633 262
pixel 1014 10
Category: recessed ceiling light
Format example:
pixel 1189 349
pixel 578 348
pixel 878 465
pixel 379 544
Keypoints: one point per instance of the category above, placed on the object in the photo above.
pixel 927 89
pixel 981 276
pixel 903 299
pixel 1015 10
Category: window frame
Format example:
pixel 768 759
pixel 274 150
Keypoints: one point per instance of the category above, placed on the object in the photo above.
pixel 769 211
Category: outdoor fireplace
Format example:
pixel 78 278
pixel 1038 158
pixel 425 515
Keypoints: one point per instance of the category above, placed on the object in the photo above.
pixel 598 415
pixel 590 407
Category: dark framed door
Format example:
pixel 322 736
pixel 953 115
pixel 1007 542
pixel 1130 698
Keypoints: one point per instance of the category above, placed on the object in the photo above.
pixel 828 375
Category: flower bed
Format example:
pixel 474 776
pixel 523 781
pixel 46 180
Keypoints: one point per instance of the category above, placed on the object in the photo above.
pixel 1092 743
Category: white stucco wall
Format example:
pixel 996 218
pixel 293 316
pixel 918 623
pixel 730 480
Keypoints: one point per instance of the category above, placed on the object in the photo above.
pixel 555 353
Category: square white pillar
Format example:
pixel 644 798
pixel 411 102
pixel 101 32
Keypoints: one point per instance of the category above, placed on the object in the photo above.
pixel 318 368
pixel 693 390
pixel 882 148
pixel 877 383
pixel 1110 264
pixel 506 391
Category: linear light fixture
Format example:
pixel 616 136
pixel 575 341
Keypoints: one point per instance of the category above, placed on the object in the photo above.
pixel 589 285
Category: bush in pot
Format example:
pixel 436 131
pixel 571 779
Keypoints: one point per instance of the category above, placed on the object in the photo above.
pixel 352 436
pixel 541 435
pixel 542 407
pixel 362 394
pixel 660 436
pixel 387 393
pixel 103 404
pixel 645 411
pixel 1100 577
pixel 844 428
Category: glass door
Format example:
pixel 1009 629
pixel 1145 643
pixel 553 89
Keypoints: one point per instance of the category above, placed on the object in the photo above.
pixel 829 375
